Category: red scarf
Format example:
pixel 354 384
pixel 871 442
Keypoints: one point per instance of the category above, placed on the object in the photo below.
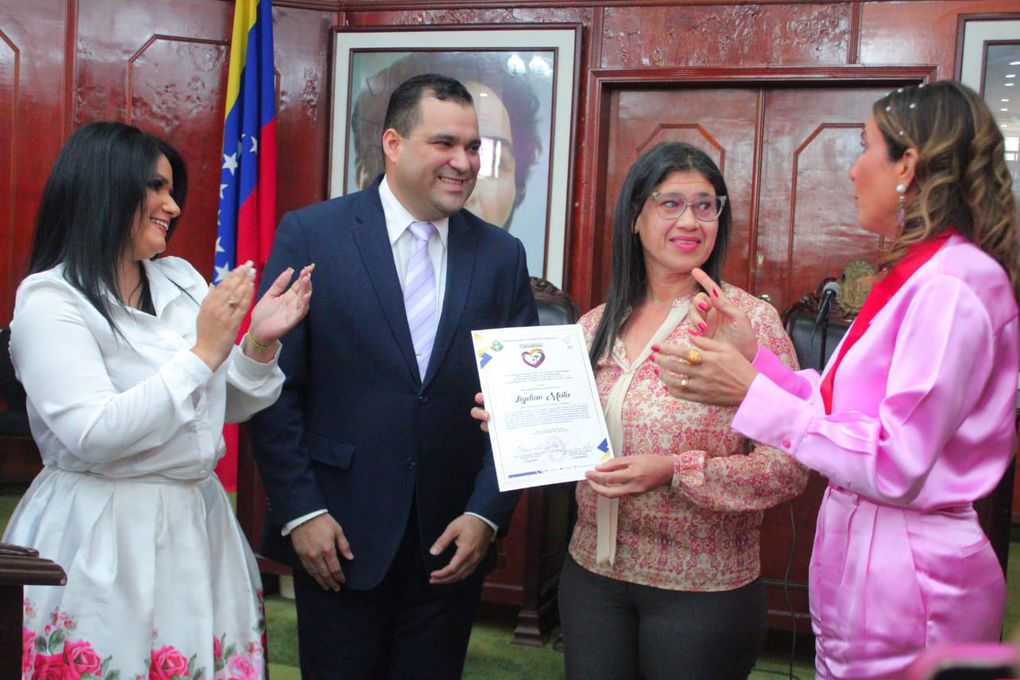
pixel 879 295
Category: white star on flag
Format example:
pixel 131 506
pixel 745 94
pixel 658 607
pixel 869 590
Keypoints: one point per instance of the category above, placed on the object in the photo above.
pixel 222 187
pixel 230 162
pixel 221 272
pixel 219 248
pixel 254 145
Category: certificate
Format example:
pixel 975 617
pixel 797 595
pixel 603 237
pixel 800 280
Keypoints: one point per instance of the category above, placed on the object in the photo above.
pixel 546 423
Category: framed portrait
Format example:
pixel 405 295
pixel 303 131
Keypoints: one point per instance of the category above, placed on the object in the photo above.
pixel 988 61
pixel 523 80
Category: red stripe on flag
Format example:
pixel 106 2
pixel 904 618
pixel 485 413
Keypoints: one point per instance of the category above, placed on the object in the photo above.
pixel 256 226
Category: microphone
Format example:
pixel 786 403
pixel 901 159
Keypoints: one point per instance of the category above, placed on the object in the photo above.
pixel 829 292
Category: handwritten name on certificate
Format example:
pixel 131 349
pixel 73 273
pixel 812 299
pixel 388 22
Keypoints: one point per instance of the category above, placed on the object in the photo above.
pixel 546 423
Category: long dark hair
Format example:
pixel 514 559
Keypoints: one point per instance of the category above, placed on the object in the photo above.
pixel 95 191
pixel 628 281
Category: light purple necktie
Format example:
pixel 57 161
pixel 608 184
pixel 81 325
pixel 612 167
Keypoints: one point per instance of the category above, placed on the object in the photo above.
pixel 420 295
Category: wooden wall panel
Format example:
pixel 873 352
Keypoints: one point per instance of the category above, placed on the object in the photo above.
pixel 165 72
pixel 808 215
pixel 32 121
pixel 467 17
pixel 744 35
pixel 303 48
pixel 719 121
pixel 918 32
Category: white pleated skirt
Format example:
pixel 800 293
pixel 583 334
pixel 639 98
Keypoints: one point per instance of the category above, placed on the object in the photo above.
pixel 160 580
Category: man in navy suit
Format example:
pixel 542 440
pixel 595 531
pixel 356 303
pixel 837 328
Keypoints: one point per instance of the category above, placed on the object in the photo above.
pixel 382 489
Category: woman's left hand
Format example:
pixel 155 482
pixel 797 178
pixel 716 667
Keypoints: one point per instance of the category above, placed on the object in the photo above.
pixel 707 371
pixel 281 308
pixel 631 475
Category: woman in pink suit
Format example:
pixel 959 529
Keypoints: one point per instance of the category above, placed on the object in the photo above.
pixel 913 418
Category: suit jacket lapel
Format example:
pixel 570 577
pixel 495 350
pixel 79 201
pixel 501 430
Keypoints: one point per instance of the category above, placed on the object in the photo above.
pixel 460 264
pixel 373 243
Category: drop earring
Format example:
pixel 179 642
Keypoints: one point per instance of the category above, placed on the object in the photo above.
pixel 901 209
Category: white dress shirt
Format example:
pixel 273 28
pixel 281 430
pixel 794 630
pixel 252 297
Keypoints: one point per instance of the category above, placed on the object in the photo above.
pixel 136 404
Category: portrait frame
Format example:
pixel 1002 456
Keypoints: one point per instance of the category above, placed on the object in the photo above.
pixel 988 61
pixel 974 33
pixel 541 219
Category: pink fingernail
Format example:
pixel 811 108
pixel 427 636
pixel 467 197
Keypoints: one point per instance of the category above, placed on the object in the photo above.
pixel 702 326
pixel 655 348
pixel 703 306
pixel 715 293
pixel 691 331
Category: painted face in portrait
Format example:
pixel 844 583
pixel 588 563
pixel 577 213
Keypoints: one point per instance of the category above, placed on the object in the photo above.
pixel 679 244
pixel 496 189
pixel 432 171
pixel 149 234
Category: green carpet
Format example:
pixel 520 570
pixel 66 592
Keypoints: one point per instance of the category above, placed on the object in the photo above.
pixel 492 657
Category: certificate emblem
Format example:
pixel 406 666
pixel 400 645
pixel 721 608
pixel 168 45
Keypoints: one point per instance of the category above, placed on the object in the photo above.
pixel 533 358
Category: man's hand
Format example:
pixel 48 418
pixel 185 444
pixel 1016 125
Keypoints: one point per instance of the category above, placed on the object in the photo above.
pixel 317 543
pixel 472 537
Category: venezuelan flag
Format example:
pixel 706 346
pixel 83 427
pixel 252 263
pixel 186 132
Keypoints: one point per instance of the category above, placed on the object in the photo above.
pixel 247 213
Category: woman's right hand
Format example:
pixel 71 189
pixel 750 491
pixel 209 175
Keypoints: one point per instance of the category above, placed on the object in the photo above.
pixel 716 317
pixel 221 314
pixel 479 412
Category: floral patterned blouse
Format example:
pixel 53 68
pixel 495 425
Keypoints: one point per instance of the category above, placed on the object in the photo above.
pixel 701 533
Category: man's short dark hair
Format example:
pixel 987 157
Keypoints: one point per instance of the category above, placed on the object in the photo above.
pixel 403 112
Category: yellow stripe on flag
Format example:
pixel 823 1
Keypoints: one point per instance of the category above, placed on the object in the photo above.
pixel 245 14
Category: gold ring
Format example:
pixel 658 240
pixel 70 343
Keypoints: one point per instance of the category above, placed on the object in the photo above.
pixel 232 304
pixel 693 357
pixel 683 383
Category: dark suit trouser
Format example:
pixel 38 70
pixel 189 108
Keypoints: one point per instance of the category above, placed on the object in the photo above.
pixel 404 628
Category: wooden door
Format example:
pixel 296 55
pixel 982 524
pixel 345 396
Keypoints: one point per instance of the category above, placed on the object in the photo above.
pixel 785 151
pixel 807 218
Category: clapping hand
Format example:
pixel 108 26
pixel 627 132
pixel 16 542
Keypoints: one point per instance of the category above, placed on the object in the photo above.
pixel 221 314
pixel 281 307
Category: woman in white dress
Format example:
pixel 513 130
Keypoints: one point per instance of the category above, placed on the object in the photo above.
pixel 130 366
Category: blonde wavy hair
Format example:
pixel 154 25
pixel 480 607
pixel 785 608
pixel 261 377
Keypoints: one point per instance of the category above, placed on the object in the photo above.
pixel 961 176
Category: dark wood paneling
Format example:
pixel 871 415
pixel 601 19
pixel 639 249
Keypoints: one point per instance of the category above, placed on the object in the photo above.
pixel 808 217
pixel 720 122
pixel 165 72
pixel 466 17
pixel 591 224
pixel 917 32
pixel 303 49
pixel 32 122
pixel 714 35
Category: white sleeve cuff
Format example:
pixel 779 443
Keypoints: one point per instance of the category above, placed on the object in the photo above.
pixel 493 526
pixel 295 523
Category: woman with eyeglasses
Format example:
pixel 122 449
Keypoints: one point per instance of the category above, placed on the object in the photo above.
pixel 663 577
pixel 913 419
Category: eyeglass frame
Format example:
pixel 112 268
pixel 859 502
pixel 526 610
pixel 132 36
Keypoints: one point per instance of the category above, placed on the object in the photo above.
pixel 687 204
